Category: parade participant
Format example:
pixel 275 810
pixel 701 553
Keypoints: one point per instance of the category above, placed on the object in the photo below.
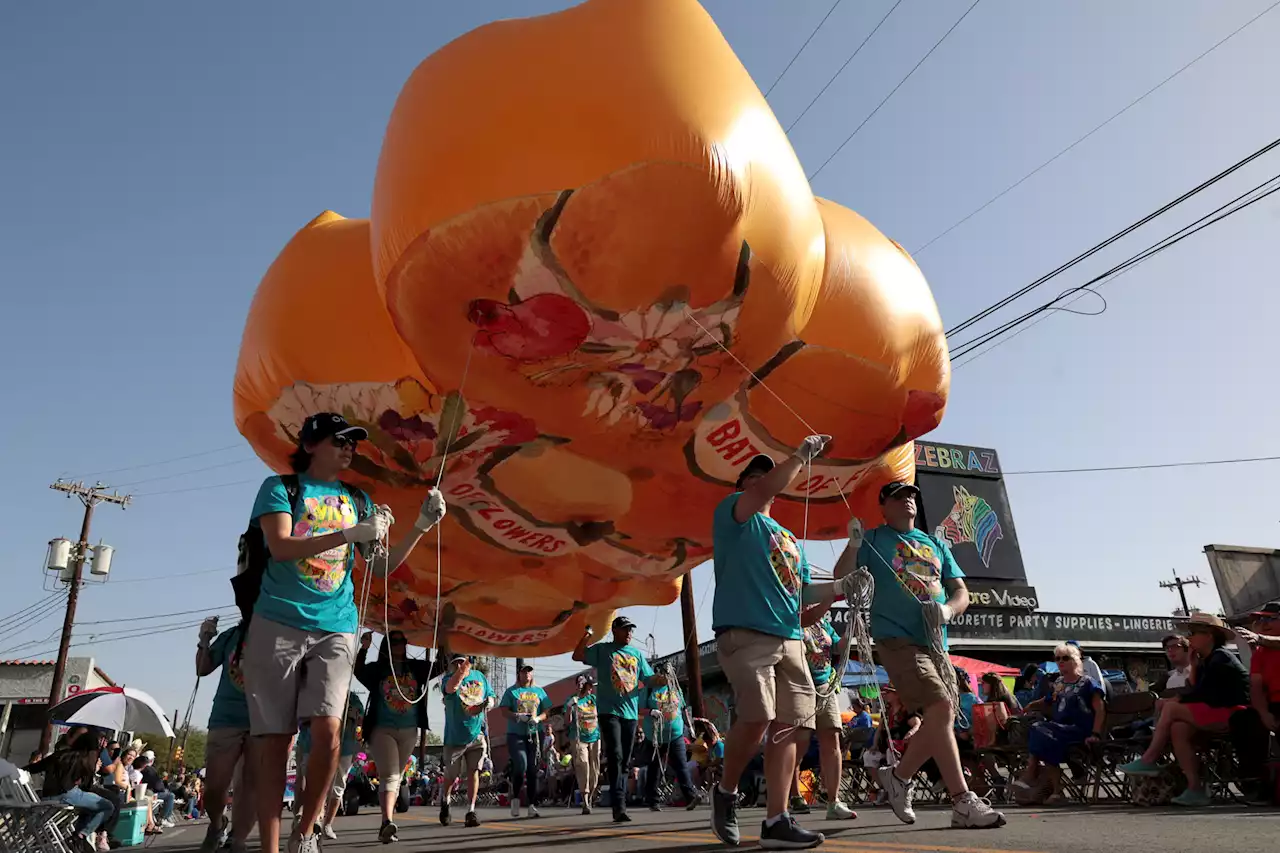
pixel 467 696
pixel 228 739
pixel 621 673
pixel 914 573
pixel 525 706
pixel 391 727
pixel 663 710
pixel 305 617
pixel 819 640
pixel 584 724
pixel 760 570
pixel 346 757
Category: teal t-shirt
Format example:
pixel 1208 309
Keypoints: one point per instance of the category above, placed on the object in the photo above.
pixel 461 728
pixel 586 718
pixel 524 700
pixel 314 594
pixel 230 711
pixel 819 638
pixel 760 568
pixel 394 710
pixel 909 569
pixel 620 675
pixel 670 726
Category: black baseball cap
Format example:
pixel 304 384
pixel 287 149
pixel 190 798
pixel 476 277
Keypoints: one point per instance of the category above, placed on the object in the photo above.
pixel 1270 610
pixel 759 464
pixel 526 668
pixel 893 490
pixel 324 425
pixel 622 622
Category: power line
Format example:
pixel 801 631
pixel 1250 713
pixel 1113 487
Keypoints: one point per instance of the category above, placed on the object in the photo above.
pixel 1211 218
pixel 115 582
pixel 205 610
pixel 841 69
pixel 189 473
pixel 95 642
pixel 1151 467
pixel 894 91
pixel 164 461
pixel 796 55
pixel 20 615
pixel 33 618
pixel 194 489
pixel 1113 117
pixel 1017 294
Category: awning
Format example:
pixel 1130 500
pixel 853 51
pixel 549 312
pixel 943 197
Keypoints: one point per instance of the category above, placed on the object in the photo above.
pixel 977 668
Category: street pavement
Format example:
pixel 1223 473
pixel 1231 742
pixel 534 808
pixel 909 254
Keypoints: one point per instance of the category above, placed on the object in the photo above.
pixel 1085 830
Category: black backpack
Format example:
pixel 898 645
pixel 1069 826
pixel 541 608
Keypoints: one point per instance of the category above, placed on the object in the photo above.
pixel 251 563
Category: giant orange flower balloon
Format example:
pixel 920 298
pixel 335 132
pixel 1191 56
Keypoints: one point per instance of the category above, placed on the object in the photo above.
pixel 588 295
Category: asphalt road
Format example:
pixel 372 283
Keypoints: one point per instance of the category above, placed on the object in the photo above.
pixel 1091 830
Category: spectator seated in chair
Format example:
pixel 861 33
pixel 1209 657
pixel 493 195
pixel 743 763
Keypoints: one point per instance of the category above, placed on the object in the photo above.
pixel 1252 728
pixel 1220 689
pixel 1077 715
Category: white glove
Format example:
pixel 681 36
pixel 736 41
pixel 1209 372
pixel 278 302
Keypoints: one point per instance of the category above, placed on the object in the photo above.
pixel 432 511
pixel 855 533
pixel 383 509
pixel 208 629
pixel 372 528
pixel 491 703
pixel 524 719
pixel 655 713
pixel 812 447
pixel 945 613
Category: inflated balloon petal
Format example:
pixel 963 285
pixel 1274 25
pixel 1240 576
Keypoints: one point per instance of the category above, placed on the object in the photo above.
pixel 583 298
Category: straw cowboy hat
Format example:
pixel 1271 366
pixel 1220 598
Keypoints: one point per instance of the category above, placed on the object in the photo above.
pixel 1208 620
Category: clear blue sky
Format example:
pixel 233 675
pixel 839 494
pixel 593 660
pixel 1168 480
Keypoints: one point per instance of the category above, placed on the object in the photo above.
pixel 156 157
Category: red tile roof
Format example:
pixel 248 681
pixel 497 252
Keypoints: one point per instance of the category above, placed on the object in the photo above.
pixel 97 670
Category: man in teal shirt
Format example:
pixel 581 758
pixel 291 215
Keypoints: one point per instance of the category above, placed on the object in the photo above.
pixel 621 673
pixel 584 722
pixel 525 705
pixel 761 570
pixel 918 585
pixel 467 696
pixel 663 710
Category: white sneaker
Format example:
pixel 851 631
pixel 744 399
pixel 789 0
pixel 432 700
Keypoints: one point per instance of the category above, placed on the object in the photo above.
pixel 837 810
pixel 167 823
pixel 533 812
pixel 329 833
pixel 304 844
pixel 898 793
pixel 974 812
pixel 515 808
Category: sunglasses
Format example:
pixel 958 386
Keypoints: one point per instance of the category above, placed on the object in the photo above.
pixel 341 441
pixel 1061 658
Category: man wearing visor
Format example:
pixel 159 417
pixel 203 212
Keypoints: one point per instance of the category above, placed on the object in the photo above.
pixel 915 572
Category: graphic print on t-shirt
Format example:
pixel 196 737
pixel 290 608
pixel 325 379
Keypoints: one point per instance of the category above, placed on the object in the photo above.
pixel 918 567
pixel 588 719
pixel 329 514
pixel 408 686
pixel 668 703
pixel 471 692
pixel 235 675
pixel 624 668
pixel 784 556
pixel 817 647
pixel 527 702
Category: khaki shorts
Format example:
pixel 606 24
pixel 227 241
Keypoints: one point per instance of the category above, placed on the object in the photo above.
pixel 227 741
pixel 462 761
pixel 769 677
pixel 827 712
pixel 912 673
pixel 290 675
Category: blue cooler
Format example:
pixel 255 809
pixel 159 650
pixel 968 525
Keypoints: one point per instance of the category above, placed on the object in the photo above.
pixel 129 829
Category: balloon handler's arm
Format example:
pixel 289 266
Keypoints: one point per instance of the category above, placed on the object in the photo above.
pixel 204 660
pixel 431 514
pixel 580 650
pixel 826 593
pixel 757 495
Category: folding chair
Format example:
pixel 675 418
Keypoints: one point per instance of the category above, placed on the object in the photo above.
pixel 1123 745
pixel 29 825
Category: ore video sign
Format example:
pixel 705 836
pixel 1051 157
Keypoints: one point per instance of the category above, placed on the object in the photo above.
pixel 964 502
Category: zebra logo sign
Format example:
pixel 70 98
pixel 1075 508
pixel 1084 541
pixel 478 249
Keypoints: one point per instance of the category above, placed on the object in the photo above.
pixel 971 520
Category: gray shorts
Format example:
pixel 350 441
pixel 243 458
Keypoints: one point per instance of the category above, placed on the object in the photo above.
pixel 463 760
pixel 290 674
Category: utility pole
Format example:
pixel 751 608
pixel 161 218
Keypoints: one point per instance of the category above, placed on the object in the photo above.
pixel 1178 584
pixel 692 663
pixel 90 496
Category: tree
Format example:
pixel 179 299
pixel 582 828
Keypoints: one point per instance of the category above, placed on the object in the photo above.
pixel 193 753
pixel 433 739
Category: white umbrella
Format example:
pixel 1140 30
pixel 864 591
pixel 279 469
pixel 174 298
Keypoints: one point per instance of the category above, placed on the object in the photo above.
pixel 112 708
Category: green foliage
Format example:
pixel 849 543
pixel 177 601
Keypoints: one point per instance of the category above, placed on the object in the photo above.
pixel 193 753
